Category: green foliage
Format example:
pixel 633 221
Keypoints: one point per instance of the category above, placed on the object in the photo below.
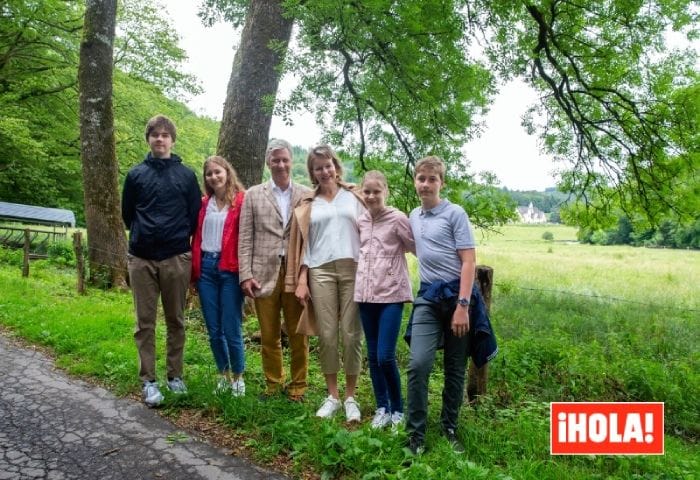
pixel 11 256
pixel 146 47
pixel 668 234
pixel 621 106
pixel 377 63
pixel 485 203
pixel 549 236
pixel 404 79
pixel 61 253
pixel 39 134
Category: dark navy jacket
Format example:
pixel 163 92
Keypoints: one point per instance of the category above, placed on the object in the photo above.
pixel 482 340
pixel 160 204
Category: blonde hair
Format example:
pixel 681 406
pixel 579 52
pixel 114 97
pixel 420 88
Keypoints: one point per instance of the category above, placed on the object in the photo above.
pixel 323 152
pixel 377 176
pixel 233 183
pixel 432 163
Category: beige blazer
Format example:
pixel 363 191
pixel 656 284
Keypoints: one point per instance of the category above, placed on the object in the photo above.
pixel 262 236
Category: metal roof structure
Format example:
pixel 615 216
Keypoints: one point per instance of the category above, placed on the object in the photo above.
pixel 37 215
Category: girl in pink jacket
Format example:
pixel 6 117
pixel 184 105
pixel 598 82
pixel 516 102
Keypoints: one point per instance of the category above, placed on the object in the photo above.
pixel 382 287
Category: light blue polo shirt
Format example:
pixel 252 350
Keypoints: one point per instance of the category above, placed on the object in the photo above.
pixel 439 233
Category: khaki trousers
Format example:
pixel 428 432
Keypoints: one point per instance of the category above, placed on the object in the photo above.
pixel 332 288
pixel 169 280
pixel 268 311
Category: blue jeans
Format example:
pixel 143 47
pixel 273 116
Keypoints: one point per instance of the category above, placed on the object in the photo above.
pixel 430 321
pixel 221 299
pixel 381 323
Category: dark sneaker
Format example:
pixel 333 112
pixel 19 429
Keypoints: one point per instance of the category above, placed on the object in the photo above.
pixel 455 442
pixel 415 445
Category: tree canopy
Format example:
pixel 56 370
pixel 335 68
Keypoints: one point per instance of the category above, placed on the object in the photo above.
pixel 399 80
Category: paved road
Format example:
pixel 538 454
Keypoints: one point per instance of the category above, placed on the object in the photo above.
pixel 55 427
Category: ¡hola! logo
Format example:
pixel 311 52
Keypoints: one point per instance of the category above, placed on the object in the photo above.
pixel 606 428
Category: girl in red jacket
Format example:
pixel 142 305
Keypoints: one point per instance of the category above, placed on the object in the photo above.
pixel 215 271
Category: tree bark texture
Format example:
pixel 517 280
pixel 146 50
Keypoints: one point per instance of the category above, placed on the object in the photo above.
pixel 245 124
pixel 105 229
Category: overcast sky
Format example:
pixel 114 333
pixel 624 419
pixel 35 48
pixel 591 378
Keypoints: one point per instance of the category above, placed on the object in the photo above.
pixel 503 148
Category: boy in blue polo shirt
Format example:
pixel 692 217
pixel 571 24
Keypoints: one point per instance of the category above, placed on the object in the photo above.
pixel 445 248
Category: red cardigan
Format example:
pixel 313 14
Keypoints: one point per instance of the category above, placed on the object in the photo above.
pixel 229 242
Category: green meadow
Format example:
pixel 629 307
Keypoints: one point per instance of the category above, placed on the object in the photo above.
pixel 574 323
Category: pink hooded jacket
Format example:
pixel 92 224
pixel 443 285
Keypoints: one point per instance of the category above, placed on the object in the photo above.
pixel 382 272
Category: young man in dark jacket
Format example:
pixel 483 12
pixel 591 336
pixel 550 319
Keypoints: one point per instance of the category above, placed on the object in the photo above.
pixel 160 203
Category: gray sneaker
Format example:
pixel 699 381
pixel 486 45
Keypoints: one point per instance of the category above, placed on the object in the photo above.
pixel 176 385
pixel 151 394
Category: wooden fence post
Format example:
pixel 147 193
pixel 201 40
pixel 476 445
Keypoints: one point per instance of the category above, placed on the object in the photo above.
pixel 478 377
pixel 25 261
pixel 79 262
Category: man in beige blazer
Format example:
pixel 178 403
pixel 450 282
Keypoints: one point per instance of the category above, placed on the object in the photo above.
pixel 262 246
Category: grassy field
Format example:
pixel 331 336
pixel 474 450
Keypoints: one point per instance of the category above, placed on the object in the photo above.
pixel 575 322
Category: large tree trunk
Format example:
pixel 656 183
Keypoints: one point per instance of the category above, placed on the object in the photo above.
pixel 105 230
pixel 246 122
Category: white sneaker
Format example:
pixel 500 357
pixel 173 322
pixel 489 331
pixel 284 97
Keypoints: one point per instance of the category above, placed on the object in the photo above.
pixel 151 394
pixel 238 388
pixel 381 418
pixel 222 385
pixel 396 421
pixel 328 408
pixel 352 410
pixel 176 385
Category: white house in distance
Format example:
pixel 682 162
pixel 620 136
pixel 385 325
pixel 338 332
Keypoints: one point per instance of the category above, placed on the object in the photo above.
pixel 531 214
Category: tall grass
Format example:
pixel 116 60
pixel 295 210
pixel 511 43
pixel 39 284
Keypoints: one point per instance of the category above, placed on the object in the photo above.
pixel 639 345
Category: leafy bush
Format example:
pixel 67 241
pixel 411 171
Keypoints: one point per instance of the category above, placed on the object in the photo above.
pixel 548 236
pixel 10 256
pixel 61 253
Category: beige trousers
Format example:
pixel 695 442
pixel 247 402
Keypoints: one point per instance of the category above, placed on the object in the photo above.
pixel 332 288
pixel 169 280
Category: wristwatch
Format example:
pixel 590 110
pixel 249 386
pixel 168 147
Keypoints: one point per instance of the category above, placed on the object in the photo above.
pixel 464 301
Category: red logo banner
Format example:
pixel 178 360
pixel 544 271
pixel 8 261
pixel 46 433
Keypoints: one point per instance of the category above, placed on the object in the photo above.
pixel 606 428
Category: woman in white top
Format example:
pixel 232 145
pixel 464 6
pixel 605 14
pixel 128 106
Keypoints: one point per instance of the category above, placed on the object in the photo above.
pixel 326 223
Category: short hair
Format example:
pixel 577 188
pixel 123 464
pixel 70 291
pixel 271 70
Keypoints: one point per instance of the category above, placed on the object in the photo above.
pixel 161 122
pixel 277 144
pixel 323 152
pixel 377 176
pixel 233 183
pixel 432 163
